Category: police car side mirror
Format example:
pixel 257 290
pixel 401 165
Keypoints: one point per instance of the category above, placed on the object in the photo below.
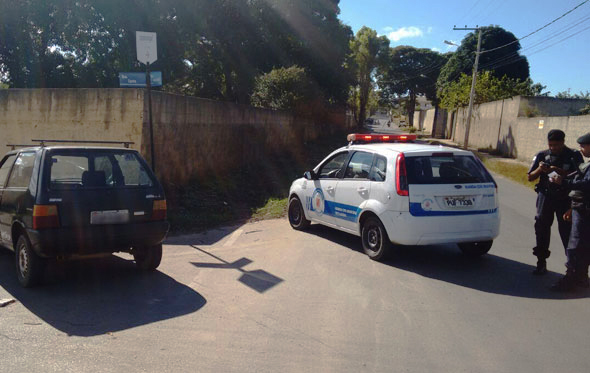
pixel 309 175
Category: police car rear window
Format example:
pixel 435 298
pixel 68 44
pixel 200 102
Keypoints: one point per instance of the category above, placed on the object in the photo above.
pixel 461 169
pixel 97 169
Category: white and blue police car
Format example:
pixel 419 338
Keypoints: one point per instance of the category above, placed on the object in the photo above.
pixel 387 189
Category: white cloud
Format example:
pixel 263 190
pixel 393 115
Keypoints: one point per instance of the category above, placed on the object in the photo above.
pixel 405 32
pixel 436 49
pixel 388 29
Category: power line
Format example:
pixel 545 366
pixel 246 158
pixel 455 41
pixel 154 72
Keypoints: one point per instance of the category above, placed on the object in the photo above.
pixel 515 56
pixel 539 29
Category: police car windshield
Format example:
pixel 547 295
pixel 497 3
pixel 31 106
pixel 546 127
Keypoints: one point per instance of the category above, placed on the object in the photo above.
pixel 445 170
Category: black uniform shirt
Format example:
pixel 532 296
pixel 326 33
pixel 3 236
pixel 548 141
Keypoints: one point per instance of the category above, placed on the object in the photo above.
pixel 569 160
pixel 581 181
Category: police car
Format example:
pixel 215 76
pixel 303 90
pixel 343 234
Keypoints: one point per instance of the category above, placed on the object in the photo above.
pixel 387 189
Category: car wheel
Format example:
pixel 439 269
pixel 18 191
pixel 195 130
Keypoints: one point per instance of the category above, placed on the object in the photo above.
pixel 148 258
pixel 296 214
pixel 376 243
pixel 29 266
pixel 475 249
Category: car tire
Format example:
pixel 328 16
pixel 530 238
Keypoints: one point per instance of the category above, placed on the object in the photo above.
pixel 374 237
pixel 475 249
pixel 296 215
pixel 148 258
pixel 29 265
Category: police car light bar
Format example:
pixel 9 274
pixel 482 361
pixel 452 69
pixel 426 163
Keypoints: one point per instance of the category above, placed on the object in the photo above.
pixel 361 138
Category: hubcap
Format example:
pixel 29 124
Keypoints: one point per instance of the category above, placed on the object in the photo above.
pixel 373 237
pixel 23 261
pixel 295 214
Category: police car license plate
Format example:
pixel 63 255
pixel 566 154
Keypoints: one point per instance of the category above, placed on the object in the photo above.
pixel 109 217
pixel 458 202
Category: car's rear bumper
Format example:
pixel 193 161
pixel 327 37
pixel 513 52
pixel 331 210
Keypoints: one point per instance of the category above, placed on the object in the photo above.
pixel 405 229
pixel 96 239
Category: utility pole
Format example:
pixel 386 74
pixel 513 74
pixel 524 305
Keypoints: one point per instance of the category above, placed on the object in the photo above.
pixel 473 81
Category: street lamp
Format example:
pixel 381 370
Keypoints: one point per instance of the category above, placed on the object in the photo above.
pixel 451 43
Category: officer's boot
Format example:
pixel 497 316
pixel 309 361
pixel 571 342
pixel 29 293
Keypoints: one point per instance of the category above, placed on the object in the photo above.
pixel 582 277
pixel 567 282
pixel 541 267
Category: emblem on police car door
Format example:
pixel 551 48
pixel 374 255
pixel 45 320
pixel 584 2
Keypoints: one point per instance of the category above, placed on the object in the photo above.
pixel 317 201
pixel 427 204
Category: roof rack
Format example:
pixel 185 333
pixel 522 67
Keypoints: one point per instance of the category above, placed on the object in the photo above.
pixel 43 142
pixel 14 146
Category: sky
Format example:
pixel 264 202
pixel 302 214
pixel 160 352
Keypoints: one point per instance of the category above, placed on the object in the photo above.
pixel 559 64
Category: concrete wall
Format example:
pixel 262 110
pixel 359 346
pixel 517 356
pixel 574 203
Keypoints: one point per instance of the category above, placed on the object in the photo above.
pixel 550 106
pixel 194 137
pixel 500 126
pixel 70 114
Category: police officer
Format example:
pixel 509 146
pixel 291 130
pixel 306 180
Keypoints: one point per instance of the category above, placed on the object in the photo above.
pixel 552 199
pixel 578 249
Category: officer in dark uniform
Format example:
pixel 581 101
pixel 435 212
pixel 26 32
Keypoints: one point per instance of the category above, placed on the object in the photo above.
pixel 578 249
pixel 552 199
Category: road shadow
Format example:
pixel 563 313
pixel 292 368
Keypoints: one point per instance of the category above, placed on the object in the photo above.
pixel 209 237
pixel 258 279
pixel 94 297
pixel 490 273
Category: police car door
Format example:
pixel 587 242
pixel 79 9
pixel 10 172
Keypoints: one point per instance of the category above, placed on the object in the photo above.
pixel 353 190
pixel 319 200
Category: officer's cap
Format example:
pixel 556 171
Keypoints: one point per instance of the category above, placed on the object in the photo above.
pixel 585 139
pixel 556 135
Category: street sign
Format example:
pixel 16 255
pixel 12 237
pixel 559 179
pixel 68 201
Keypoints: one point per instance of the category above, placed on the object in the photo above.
pixel 138 80
pixel 147 49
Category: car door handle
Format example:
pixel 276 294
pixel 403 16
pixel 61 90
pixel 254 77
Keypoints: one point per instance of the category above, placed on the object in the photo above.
pixel 330 189
pixel 361 189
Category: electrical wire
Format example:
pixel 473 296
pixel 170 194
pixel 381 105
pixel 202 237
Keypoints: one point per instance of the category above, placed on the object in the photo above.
pixel 537 30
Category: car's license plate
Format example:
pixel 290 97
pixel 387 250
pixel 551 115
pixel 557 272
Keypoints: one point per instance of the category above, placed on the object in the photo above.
pixel 109 217
pixel 457 202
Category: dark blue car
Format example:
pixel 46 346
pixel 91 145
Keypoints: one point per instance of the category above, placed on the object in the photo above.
pixel 60 202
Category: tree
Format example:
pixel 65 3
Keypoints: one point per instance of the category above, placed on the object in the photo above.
pixel 408 73
pixel 369 52
pixel 209 48
pixel 504 61
pixel 287 89
pixel 488 88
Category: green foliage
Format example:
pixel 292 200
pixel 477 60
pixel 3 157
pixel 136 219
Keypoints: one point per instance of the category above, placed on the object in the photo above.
pixel 285 88
pixel 568 94
pixel 369 52
pixel 487 88
pixel 410 72
pixel 209 48
pixel 505 61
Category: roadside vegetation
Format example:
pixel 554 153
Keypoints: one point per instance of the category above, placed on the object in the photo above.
pixel 507 167
pixel 255 192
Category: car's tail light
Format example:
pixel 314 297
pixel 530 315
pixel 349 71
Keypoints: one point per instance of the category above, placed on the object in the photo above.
pixel 401 176
pixel 159 210
pixel 45 216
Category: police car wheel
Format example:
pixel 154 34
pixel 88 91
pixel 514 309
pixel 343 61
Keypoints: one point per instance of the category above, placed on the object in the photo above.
pixel 376 243
pixel 475 249
pixel 296 214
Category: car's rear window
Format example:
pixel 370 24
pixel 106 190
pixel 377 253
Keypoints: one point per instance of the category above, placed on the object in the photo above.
pixel 446 169
pixel 97 169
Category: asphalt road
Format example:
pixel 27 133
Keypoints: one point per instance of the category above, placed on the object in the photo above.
pixel 264 298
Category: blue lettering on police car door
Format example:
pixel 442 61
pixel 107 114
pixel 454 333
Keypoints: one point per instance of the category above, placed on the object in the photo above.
pixel 318 204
